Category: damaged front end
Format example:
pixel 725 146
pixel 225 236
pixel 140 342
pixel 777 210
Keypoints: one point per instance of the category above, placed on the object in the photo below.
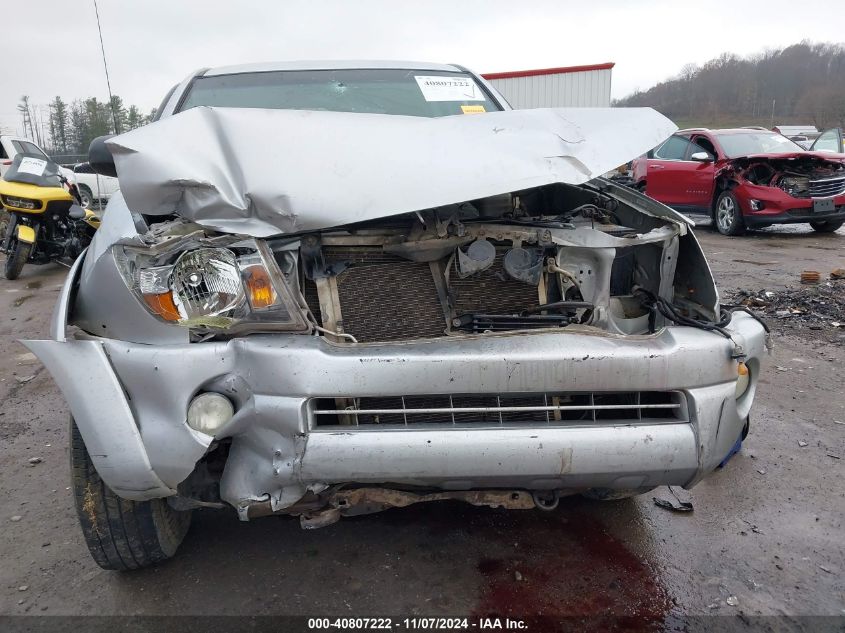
pixel 787 188
pixel 503 349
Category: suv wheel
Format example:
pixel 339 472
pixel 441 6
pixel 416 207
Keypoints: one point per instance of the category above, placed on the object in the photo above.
pixel 121 534
pixel 728 215
pixel 827 226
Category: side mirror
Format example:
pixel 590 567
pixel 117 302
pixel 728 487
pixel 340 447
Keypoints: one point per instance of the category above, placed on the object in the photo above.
pixel 100 158
pixel 699 157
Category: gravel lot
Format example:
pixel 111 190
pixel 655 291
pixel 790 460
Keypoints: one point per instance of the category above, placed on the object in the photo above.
pixel 766 535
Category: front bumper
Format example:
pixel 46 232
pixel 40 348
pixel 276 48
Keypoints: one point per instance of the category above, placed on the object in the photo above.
pixel 130 401
pixel 781 208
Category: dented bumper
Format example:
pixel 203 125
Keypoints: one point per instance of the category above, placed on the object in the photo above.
pixel 143 448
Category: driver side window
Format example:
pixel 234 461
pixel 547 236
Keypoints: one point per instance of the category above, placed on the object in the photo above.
pixel 702 144
pixel 675 148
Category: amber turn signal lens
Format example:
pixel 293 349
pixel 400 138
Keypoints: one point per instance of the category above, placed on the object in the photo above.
pixel 162 304
pixel 743 379
pixel 259 287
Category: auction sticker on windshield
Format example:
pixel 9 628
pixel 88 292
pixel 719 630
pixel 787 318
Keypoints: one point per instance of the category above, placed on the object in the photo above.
pixel 34 166
pixel 436 88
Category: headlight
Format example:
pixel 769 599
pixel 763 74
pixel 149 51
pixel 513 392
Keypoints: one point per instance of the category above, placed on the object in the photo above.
pixel 795 185
pixel 21 203
pixel 238 285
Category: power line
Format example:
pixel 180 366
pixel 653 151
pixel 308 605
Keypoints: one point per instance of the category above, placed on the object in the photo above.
pixel 106 67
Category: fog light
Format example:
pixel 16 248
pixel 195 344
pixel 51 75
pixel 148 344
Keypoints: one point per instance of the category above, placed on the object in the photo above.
pixel 757 205
pixel 743 380
pixel 208 412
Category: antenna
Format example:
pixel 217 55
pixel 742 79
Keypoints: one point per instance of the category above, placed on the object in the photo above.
pixel 106 67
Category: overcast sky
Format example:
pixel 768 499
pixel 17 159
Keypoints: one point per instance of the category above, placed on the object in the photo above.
pixel 51 47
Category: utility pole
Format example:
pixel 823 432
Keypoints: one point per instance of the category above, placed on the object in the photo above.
pixel 772 122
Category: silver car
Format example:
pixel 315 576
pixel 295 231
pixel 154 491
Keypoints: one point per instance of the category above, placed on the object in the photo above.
pixel 328 289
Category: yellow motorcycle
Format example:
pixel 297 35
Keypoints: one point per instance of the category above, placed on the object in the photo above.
pixel 46 220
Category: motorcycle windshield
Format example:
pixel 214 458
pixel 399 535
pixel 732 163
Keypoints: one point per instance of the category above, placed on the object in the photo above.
pixel 34 170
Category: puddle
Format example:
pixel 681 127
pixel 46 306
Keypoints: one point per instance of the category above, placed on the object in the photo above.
pixel 571 575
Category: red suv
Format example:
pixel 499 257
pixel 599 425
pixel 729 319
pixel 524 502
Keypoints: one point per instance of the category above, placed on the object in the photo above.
pixel 745 178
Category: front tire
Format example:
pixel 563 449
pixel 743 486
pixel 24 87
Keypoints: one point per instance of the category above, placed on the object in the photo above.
pixel 121 534
pixel 827 226
pixel 15 259
pixel 728 215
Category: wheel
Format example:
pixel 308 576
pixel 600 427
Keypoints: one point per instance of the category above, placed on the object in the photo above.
pixel 16 258
pixel 728 215
pixel 610 494
pixel 86 195
pixel 121 534
pixel 826 226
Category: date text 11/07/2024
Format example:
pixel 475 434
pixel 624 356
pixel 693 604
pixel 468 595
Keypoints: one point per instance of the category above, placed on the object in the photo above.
pixel 417 623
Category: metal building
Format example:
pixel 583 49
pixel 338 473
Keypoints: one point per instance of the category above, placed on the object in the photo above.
pixel 555 87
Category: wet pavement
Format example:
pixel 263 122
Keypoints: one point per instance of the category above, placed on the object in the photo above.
pixel 766 535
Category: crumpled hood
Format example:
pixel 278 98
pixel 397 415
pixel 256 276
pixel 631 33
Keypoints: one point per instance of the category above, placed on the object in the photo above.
pixel 266 172
pixel 824 156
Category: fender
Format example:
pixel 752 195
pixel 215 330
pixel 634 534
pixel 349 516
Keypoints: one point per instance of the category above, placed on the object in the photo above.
pixel 25 234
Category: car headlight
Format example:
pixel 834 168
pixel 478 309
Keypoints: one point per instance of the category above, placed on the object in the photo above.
pixel 238 285
pixel 795 185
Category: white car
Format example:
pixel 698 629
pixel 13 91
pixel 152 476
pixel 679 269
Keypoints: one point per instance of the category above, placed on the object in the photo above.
pixel 94 189
pixel 11 146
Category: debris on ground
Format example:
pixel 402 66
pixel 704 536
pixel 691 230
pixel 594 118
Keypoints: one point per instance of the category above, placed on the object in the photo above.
pixel 802 443
pixel 819 306
pixel 838 273
pixel 34 460
pixel 676 506
pixel 16 518
pixel 24 379
pixel 732 601
pixel 811 277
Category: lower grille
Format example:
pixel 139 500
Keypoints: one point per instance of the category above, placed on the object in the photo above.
pixel 592 408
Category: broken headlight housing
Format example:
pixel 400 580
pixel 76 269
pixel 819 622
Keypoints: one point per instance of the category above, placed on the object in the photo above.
pixel 216 286
pixel 797 186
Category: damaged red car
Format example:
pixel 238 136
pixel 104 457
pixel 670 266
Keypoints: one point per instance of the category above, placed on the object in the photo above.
pixel 745 178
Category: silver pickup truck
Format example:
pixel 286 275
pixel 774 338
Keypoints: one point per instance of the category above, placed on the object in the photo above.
pixel 327 289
